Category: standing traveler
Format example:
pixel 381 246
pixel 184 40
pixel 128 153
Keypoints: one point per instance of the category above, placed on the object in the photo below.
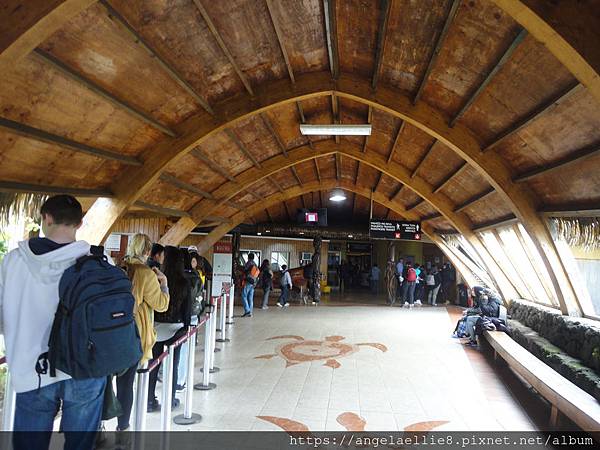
pixel 410 282
pixel 198 266
pixel 157 256
pixel 448 281
pixel 29 297
pixel 391 282
pixel 194 279
pixel 420 284
pixel 430 284
pixel 251 274
pixel 375 272
pixel 437 282
pixel 151 293
pixel 286 285
pixel 307 274
pixel 400 275
pixel 171 324
pixel 266 282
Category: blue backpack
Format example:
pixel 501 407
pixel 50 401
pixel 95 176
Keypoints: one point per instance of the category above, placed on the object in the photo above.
pixel 94 332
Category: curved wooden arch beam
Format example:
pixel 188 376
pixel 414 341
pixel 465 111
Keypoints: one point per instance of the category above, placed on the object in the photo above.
pixel 568 29
pixel 394 170
pixel 26 24
pixel 100 218
pixel 296 191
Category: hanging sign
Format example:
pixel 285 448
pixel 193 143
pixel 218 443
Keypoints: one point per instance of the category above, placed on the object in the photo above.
pixel 222 267
pixel 395 229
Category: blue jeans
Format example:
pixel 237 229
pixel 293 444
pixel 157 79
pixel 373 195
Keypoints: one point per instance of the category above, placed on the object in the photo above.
pixel 81 412
pixel 283 298
pixel 248 298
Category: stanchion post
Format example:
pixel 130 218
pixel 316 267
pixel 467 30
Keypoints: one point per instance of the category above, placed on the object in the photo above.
pixel 216 310
pixel 223 317
pixel 188 417
pixel 206 385
pixel 231 301
pixel 167 392
pixel 141 400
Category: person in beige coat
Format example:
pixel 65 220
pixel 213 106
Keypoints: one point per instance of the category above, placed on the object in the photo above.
pixel 151 294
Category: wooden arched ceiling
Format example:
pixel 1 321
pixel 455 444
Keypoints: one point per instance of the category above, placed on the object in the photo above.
pixel 168 102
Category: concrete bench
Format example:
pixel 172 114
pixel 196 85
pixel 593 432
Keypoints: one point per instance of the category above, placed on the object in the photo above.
pixel 564 396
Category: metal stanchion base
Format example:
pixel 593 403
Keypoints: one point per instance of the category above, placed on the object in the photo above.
pixel 217 349
pixel 182 420
pixel 201 387
pixel 224 340
pixel 215 369
pixel 230 322
pixel 218 329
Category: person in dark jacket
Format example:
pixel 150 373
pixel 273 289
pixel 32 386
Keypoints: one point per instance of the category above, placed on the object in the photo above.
pixel 266 282
pixel 172 323
pixel 307 274
pixel 157 256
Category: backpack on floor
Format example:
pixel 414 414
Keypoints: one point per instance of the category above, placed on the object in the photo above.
pixel 94 332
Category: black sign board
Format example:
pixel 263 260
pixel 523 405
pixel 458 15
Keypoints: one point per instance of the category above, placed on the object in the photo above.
pixel 395 229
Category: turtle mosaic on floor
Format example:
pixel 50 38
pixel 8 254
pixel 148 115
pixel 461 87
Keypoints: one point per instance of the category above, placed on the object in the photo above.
pixel 329 350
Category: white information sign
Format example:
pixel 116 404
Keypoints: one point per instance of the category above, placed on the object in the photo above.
pixel 222 267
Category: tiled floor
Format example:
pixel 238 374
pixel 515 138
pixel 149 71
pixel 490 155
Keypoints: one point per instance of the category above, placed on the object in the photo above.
pixel 418 377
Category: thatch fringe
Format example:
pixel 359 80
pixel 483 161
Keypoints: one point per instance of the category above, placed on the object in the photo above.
pixel 16 204
pixel 578 232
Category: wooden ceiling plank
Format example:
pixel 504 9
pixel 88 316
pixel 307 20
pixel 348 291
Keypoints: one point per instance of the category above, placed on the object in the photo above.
pixel 254 194
pixel 397 140
pixel 303 201
pixel 196 153
pixel 438 47
pixel 287 212
pixel 331 36
pixel 162 210
pixel 279 34
pixel 573 158
pixel 534 115
pixel 50 60
pixel 274 133
pixel 231 134
pixel 269 217
pixel 11 186
pixel 338 168
pixel 185 186
pixel 43 136
pixel 176 76
pixel 474 199
pixel 276 184
pixel 450 177
pixel 221 43
pixel 385 6
pixel 425 156
pixel 503 60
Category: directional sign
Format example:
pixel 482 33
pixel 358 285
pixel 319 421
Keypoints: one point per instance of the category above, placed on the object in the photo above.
pixel 395 229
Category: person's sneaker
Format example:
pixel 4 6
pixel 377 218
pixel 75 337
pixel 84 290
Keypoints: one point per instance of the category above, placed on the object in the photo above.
pixel 180 387
pixel 264 307
pixel 286 305
pixel 246 314
pixel 153 405
pixel 471 343
pixel 411 305
pixel 418 303
pixel 314 303
pixel 123 438
pixel 434 304
pixel 406 304
pixel 175 403
pixel 279 305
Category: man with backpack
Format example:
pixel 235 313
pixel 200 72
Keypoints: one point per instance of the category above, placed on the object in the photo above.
pixel 411 282
pixel 33 278
pixel 251 274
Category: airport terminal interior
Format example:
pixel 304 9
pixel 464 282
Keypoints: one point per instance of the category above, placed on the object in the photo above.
pixel 333 139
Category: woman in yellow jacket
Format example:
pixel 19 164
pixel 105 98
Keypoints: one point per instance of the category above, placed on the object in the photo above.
pixel 151 294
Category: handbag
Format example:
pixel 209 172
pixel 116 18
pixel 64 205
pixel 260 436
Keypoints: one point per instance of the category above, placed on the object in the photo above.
pixel 111 407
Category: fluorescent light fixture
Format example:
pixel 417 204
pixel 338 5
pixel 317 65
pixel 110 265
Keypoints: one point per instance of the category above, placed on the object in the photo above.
pixel 350 236
pixel 302 232
pixel 337 195
pixel 267 231
pixel 336 130
pixel 259 234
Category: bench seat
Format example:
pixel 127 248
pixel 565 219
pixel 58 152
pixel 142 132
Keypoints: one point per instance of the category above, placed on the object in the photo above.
pixel 576 404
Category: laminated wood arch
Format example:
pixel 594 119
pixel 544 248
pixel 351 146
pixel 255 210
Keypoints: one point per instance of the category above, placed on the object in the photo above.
pixel 218 232
pixel 568 29
pixel 394 170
